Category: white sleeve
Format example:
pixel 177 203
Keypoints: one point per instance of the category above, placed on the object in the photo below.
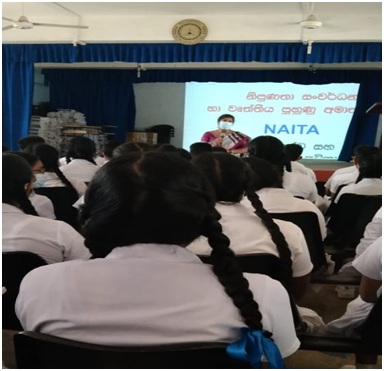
pixel 369 262
pixel 277 313
pixel 72 243
pixel 373 231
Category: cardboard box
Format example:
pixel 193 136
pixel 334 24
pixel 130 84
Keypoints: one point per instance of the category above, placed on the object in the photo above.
pixel 141 136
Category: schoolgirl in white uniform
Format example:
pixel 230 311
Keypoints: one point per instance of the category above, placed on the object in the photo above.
pixel 142 286
pixel 80 160
pixel 23 230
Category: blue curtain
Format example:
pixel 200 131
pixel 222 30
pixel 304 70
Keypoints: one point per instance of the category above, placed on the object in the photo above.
pixel 105 97
pixel 17 101
pixel 18 74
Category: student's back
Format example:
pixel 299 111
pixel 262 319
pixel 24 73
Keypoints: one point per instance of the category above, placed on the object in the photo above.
pixel 143 286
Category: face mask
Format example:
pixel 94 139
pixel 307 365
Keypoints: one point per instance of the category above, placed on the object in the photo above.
pixel 225 125
pixel 40 180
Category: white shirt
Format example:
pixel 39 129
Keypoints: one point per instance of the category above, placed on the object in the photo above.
pixel 337 172
pixel 345 178
pixel 298 167
pixel 278 200
pixel 372 232
pixel 52 180
pixel 43 205
pixel 366 186
pixel 54 240
pixel 248 235
pixel 300 185
pixel 78 169
pixel 146 294
pixel 369 262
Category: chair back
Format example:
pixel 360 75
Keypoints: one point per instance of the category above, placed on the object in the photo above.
pixel 16 264
pixel 349 218
pixel 62 199
pixel 164 133
pixel 308 222
pixel 36 350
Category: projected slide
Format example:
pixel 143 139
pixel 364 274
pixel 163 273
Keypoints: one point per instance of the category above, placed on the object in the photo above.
pixel 315 116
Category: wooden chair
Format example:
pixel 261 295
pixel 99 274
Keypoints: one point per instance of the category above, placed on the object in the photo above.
pixel 62 199
pixel 35 350
pixel 16 264
pixel 308 222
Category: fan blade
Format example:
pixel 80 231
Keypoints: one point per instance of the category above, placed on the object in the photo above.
pixel 7 28
pixel 7 19
pixel 57 25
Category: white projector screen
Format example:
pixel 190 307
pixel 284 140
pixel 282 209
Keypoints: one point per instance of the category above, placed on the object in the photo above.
pixel 315 116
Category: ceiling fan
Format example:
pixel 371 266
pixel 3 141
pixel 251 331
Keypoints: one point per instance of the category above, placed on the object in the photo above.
pixel 24 24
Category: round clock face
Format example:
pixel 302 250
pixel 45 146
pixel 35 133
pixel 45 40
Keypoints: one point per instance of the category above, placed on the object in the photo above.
pixel 189 31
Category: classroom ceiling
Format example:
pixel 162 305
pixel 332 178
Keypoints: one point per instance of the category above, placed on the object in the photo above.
pixel 132 22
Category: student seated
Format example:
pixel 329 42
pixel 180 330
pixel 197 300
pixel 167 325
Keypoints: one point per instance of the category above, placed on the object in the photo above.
pixel 55 241
pixel 294 152
pixel 42 204
pixel 54 177
pixel 350 174
pixel 80 159
pixel 142 286
pixel 268 184
pixel 249 233
pixel 369 180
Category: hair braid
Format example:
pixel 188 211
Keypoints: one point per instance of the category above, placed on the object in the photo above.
pixel 230 275
pixel 274 230
pixel 64 179
pixel 25 203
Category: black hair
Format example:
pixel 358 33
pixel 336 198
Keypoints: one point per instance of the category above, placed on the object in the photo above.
pixel 224 116
pixel 81 148
pixel 293 151
pixel 231 178
pixel 166 147
pixel 49 156
pixel 271 149
pixel 197 148
pixel 368 159
pixel 156 197
pixel 5 148
pixel 27 156
pixel 129 147
pixel 183 153
pixel 370 167
pixel 265 174
pixel 109 147
pixel 16 173
pixel 219 149
pixel 26 141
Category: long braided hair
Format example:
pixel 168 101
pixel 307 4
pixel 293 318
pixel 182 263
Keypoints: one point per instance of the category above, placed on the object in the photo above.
pixel 155 197
pixel 16 174
pixel 49 156
pixel 232 178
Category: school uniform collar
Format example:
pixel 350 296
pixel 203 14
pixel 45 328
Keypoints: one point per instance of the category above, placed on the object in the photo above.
pixel 7 208
pixel 154 251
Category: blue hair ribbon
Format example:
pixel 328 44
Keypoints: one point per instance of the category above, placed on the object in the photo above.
pixel 252 346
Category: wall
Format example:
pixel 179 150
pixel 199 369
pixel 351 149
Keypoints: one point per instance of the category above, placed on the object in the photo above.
pixel 160 103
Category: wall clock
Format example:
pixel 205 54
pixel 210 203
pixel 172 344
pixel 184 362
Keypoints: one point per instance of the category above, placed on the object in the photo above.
pixel 189 31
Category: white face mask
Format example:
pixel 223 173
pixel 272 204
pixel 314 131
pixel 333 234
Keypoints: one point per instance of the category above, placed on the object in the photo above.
pixel 40 180
pixel 225 125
